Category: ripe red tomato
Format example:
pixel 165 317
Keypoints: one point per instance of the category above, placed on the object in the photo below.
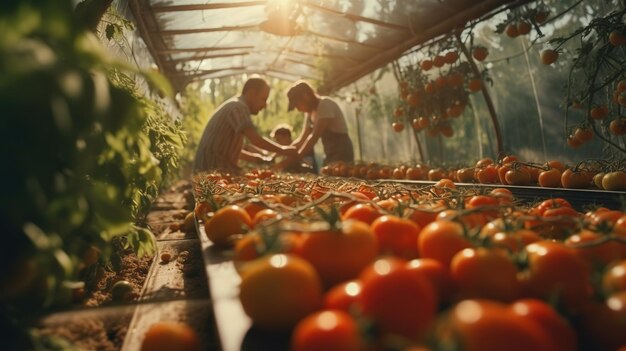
pixel 438 274
pixel 483 325
pixel 555 270
pixel 400 300
pixel 595 255
pixel 339 255
pixel 328 330
pixel 441 240
pixel 396 236
pixel 555 328
pixel 342 296
pixel 485 274
pixel 365 213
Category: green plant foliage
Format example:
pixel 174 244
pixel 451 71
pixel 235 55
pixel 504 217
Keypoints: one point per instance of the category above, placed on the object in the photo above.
pixel 84 154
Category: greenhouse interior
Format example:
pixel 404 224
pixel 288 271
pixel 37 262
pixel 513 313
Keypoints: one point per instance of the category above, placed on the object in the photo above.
pixel 313 175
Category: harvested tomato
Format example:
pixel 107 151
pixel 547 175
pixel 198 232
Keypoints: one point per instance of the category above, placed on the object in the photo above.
pixel 614 181
pixel 226 222
pixel 396 235
pixel 167 336
pixel 342 296
pixel 363 212
pixel 550 178
pixel 594 251
pixel 554 270
pixel 441 240
pixel 339 254
pixel 485 274
pixel 328 330
pixel 437 273
pixel 554 327
pixel 279 290
pixel 483 325
pixel 398 299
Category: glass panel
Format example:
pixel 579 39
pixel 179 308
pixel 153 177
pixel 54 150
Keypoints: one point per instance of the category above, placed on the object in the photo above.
pixel 249 15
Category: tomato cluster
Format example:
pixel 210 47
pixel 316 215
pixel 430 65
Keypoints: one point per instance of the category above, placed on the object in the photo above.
pixel 350 265
pixel 507 170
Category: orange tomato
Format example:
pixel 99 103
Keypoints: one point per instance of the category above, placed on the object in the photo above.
pixel 396 236
pixel 441 240
pixel 226 222
pixel 550 178
pixel 365 213
pixel 277 291
pixel 327 330
pixel 167 336
pixel 485 274
pixel 437 273
pixel 555 270
pixel 342 296
pixel 483 325
pixel 339 255
pixel 399 300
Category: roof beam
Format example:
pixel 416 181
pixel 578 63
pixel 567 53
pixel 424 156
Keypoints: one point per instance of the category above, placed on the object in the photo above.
pixel 204 57
pixel 196 73
pixel 199 7
pixel 203 49
pixel 354 17
pixel 343 40
pixel 203 30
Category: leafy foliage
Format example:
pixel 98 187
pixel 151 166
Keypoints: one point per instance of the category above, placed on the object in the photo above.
pixel 84 154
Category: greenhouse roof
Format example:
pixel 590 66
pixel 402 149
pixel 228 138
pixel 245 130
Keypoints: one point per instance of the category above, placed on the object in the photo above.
pixel 335 41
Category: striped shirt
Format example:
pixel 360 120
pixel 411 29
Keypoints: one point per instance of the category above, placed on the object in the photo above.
pixel 222 139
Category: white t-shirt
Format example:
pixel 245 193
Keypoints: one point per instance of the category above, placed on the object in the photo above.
pixel 329 109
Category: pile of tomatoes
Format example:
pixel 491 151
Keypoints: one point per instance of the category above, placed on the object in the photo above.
pixel 353 265
pixel 508 170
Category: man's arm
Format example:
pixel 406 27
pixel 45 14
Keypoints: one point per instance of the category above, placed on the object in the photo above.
pixel 269 145
pixel 246 155
pixel 306 132
pixel 318 129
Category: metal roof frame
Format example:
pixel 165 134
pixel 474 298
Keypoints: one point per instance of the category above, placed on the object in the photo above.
pixel 347 59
